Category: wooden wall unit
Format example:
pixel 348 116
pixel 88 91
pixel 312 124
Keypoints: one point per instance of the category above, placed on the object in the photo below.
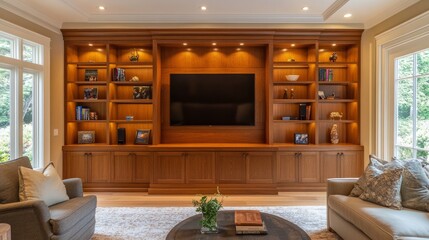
pixel 195 159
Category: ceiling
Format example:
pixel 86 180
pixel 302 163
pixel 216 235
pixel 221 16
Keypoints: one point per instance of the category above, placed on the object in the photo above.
pixel 56 14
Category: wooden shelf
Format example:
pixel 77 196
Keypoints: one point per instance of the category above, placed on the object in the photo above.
pixel 87 82
pixel 87 121
pixel 90 64
pixel 335 83
pixel 128 83
pixel 133 101
pixel 293 121
pixel 131 121
pixel 279 101
pixel 337 100
pixel 337 121
pixel 293 82
pixel 89 101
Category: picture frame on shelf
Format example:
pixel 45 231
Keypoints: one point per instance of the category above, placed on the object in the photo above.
pixel 85 137
pixel 142 92
pixel 301 138
pixel 90 93
pixel 91 75
pixel 142 136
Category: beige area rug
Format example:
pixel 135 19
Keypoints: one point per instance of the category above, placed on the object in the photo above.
pixel 154 223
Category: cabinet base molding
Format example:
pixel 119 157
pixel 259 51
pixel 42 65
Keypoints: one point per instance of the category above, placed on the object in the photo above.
pixel 264 189
pixel 302 187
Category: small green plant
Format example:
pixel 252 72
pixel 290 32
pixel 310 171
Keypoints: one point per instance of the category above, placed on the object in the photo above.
pixel 209 208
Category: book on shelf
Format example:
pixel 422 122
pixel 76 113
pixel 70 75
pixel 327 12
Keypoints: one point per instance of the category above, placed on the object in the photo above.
pixel 326 74
pixel 247 218
pixel 251 230
pixel 82 113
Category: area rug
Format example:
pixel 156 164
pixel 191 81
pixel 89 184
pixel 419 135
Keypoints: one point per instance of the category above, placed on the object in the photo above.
pixel 154 223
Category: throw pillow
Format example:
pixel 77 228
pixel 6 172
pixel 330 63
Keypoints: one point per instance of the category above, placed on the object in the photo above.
pixel 46 185
pixel 384 185
pixel 415 187
pixel 362 182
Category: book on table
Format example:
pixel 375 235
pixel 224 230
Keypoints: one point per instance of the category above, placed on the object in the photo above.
pixel 249 222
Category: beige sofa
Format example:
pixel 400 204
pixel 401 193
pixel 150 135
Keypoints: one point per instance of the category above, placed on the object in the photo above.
pixel 355 219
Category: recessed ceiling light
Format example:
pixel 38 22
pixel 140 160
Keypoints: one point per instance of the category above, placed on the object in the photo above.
pixel 99 49
pixel 215 49
pixel 334 44
pixel 238 49
pixel 214 44
pixel 185 44
pixel 305 8
pixel 188 49
pixel 203 8
pixel 101 8
pixel 90 44
pixel 284 49
pixel 241 44
pixel 347 15
pixel 292 45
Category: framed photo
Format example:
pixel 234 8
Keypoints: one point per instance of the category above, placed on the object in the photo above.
pixel 301 138
pixel 91 75
pixel 142 136
pixel 90 93
pixel 85 137
pixel 321 94
pixel 142 92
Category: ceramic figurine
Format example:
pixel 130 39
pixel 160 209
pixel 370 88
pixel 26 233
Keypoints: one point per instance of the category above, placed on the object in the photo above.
pixel 134 55
pixel 292 94
pixel 334 134
pixel 333 57
pixel 285 94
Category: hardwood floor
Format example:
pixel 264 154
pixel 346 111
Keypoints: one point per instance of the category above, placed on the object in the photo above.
pixel 133 199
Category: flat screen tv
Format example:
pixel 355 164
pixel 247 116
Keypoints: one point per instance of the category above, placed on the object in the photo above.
pixel 212 99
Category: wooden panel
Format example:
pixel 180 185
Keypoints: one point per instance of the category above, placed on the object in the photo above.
pixel 231 167
pixel 122 166
pixel 169 167
pixel 287 167
pixel 260 167
pixel 309 167
pixel 330 165
pixel 351 164
pixel 200 167
pixel 142 167
pixel 75 165
pixel 99 167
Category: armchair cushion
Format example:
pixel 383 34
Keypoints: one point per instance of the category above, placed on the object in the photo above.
pixel 9 183
pixel 45 185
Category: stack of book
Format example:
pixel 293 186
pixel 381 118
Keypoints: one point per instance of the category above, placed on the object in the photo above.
pixel 326 74
pixel 82 113
pixel 249 222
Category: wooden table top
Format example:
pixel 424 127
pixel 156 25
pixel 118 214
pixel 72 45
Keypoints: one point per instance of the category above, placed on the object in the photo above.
pixel 277 228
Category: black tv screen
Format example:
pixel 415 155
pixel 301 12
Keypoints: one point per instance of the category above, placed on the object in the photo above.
pixel 212 99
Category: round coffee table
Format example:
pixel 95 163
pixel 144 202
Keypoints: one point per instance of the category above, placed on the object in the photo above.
pixel 277 228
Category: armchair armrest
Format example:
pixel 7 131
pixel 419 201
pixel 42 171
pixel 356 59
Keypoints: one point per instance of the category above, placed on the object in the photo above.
pixel 340 186
pixel 73 187
pixel 28 219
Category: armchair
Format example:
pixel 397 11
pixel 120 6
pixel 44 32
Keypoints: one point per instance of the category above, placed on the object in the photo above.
pixel 72 219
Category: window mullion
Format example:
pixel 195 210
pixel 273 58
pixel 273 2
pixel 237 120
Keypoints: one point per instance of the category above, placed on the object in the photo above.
pixel 414 105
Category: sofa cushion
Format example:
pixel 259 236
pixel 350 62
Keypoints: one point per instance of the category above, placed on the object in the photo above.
pixel 362 182
pixel 384 186
pixel 65 215
pixel 415 187
pixel 43 185
pixel 379 222
pixel 9 183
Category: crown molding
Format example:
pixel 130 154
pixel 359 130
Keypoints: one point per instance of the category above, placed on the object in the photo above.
pixel 333 8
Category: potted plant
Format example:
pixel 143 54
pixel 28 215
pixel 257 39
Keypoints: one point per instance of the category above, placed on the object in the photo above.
pixel 209 208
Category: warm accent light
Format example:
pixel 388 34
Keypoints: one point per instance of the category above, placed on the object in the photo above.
pixel 203 8
pixel 90 44
pixel 238 49
pixel 334 44
pixel 188 49
pixel 185 44
pixel 292 45
pixel 214 44
pixel 305 8
pixel 99 49
pixel 347 15
pixel 101 8
pixel 215 49
pixel 284 49
pixel 241 44
pixel 321 50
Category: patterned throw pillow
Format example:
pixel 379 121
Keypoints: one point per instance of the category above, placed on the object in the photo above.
pixel 415 186
pixel 384 185
pixel 362 182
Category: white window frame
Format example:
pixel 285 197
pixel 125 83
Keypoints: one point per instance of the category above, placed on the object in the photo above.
pixel 41 90
pixel 411 36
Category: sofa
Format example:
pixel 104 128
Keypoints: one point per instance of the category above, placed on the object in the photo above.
pixel 355 219
pixel 73 219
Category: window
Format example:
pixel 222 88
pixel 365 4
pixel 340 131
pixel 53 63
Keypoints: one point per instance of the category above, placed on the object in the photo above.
pixel 23 81
pixel 412 105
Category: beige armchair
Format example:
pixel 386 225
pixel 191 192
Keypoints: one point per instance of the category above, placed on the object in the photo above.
pixel 72 219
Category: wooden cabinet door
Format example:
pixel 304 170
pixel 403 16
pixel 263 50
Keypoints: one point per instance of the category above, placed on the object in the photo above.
pixel 200 167
pixel 76 165
pixel 287 167
pixel 330 165
pixel 260 167
pixel 122 167
pixel 142 167
pixel 309 167
pixel 231 167
pixel 99 167
pixel 351 164
pixel 169 167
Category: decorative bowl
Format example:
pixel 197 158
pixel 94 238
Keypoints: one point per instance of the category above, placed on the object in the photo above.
pixel 292 77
